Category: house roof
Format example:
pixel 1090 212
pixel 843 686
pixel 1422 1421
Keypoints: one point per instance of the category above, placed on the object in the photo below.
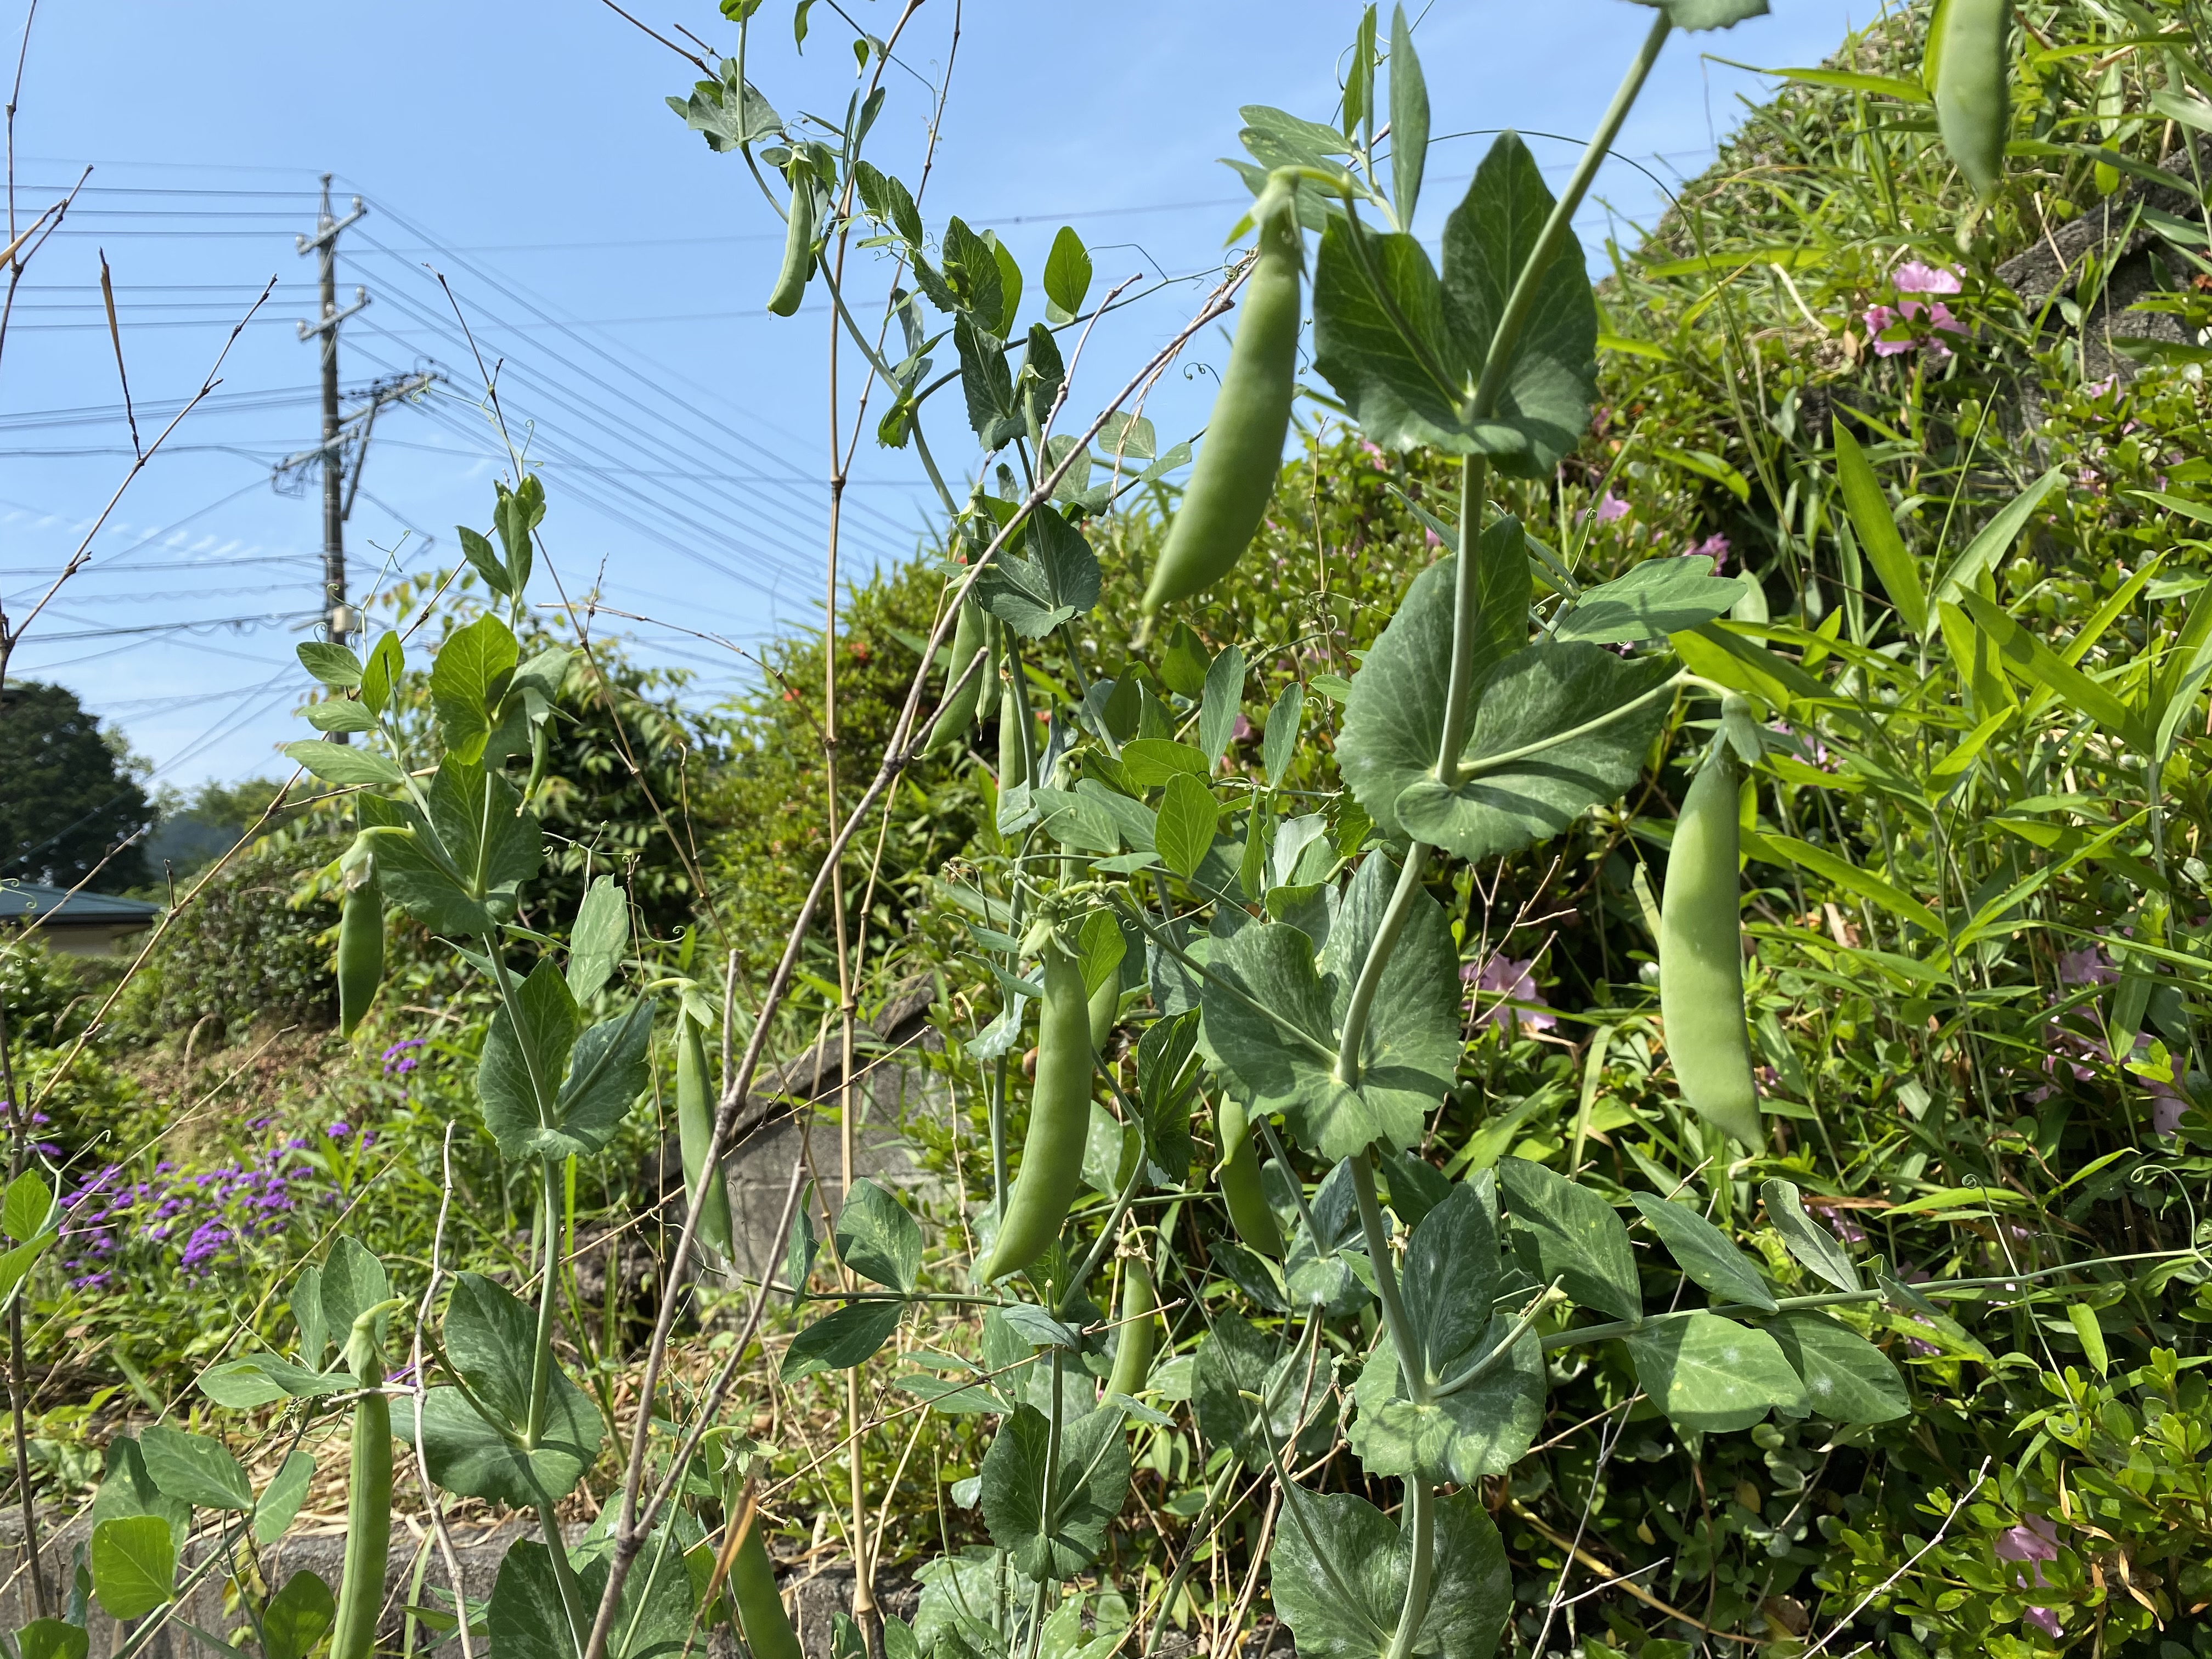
pixel 20 901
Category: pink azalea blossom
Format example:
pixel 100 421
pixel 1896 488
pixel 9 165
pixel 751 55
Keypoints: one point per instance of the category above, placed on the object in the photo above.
pixel 2033 1541
pixel 1510 982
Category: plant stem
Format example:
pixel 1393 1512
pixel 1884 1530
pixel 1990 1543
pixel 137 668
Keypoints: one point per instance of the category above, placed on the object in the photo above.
pixel 1466 620
pixel 1214 1494
pixel 1412 1372
pixel 1348 1066
pixel 1421 1524
pixel 18 1395
pixel 541 1360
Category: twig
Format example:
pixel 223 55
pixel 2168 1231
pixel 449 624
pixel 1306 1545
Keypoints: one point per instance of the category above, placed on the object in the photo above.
pixel 687 57
pixel 1621 1581
pixel 420 1391
pixel 115 338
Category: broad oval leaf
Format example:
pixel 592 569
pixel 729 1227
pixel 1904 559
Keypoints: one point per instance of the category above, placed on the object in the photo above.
pixel 1709 1374
pixel 134 1564
pixel 1569 1233
pixel 1341 1568
pixel 1847 1379
pixel 1655 599
pixel 194 1469
pixel 1484 1428
pixel 343 764
pixel 1090 1479
pixel 840 1340
pixel 1704 1252
pixel 297 1617
pixel 878 1238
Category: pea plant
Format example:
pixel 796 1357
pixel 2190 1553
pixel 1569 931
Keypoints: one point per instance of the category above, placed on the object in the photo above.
pixel 1195 942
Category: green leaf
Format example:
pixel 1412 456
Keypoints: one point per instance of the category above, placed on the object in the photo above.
pixel 1995 540
pixel 1877 531
pixel 1560 729
pixel 127 1490
pixel 1709 13
pixel 490 1338
pixel 1242 1370
pixel 1813 1245
pixel 480 553
pixel 297 1617
pixel 134 1564
pixel 495 847
pixel 2036 662
pixel 1184 663
pixel 1569 1233
pixel 1409 120
pixel 338 714
pixel 525 1617
pixel 1090 1479
pixel 1225 696
pixel 1184 830
pixel 840 1340
pixel 1341 1567
pixel 352 1281
pixel 1850 877
pixel 1394 715
pixel 598 938
pixel 1167 1079
pixel 1280 741
pixel 281 1498
pixel 1066 276
pixel 1846 1377
pixel 1266 977
pixel 333 664
pixel 876 1237
pixel 610 1073
pixel 194 1469
pixel 1276 138
pixel 1148 762
pixel 1704 1252
pixel 342 764
pixel 28 1207
pixel 1052 577
pixel 1655 599
pixel 519 1076
pixel 1484 1428
pixel 50 1639
pixel 1712 1375
pixel 1099 949
pixel 468 677
pixel 1881 86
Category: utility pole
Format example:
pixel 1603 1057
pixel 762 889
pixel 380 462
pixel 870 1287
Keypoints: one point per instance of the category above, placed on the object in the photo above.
pixel 339 616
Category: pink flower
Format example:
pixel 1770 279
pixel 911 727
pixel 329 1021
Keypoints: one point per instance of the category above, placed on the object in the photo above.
pixel 1510 981
pixel 1884 322
pixel 1715 548
pixel 2033 1541
pixel 1611 507
pixel 2098 388
pixel 1914 277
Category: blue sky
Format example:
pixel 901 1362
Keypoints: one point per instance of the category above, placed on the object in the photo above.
pixel 616 269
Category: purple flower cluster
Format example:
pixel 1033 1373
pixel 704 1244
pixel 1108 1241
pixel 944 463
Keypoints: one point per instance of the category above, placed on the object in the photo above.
pixel 202 1218
pixel 397 1059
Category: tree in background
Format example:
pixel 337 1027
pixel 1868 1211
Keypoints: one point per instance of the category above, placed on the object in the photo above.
pixel 70 795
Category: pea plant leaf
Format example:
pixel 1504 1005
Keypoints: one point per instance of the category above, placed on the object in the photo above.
pixel 134 1564
pixel 526 1055
pixel 1564 1231
pixel 611 1071
pixel 1711 1374
pixel 1066 276
pixel 1088 1481
pixel 877 1237
pixel 468 677
pixel 1559 728
pixel 1341 1568
pixel 1847 1379
pixel 1242 1370
pixel 1394 717
pixel 1404 349
pixel 297 1617
pixel 840 1340
pixel 1708 14
pixel 1655 599
pixel 51 1638
pixel 1184 830
pixel 127 1489
pixel 597 939
pixel 194 1469
pixel 280 1500
pixel 342 764
pixel 1167 1077
pixel 1704 1252
pixel 1051 577
pixel 1483 1426
pixel 1274 1015
pixel 1816 1247
pixel 470 1440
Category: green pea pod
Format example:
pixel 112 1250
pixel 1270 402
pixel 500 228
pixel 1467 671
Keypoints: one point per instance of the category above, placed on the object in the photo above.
pixel 1014 727
pixel 1243 454
pixel 361 953
pixel 761 1615
pixel 1104 1006
pixel 1701 956
pixel 694 1126
pixel 797 243
pixel 1059 1122
pixel 959 712
pixel 368 1500
pixel 1967 47
pixel 1240 1187
pixel 1133 1359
